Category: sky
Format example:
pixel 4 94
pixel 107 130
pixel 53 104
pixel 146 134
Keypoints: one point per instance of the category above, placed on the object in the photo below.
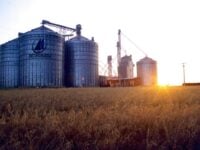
pixel 167 30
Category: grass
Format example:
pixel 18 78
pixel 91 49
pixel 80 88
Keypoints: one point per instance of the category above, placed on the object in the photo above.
pixel 100 118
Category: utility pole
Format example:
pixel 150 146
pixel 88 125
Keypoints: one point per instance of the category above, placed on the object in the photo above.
pixel 183 64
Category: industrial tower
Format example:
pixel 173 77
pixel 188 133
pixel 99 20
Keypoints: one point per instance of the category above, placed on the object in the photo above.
pixel 119 48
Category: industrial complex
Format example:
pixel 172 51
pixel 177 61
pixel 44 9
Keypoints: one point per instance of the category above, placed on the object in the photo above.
pixel 146 70
pixel 42 57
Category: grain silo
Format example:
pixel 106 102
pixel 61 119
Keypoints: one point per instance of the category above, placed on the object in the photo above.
pixel 125 68
pixel 81 61
pixel 41 58
pixel 147 71
pixel 9 64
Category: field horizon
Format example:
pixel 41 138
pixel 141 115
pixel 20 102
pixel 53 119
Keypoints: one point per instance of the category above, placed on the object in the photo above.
pixel 165 117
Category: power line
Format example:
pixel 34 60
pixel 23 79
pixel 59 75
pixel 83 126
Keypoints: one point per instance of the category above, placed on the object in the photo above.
pixel 134 44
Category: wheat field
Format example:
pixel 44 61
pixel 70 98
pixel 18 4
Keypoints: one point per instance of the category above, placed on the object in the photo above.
pixel 140 118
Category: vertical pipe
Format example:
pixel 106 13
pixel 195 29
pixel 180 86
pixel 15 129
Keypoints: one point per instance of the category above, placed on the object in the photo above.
pixel 119 47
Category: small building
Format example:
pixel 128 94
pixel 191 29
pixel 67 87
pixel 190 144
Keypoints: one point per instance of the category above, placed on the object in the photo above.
pixel 116 82
pixel 103 81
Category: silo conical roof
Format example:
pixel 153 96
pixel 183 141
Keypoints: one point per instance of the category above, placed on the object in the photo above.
pixel 146 60
pixel 79 38
pixel 39 30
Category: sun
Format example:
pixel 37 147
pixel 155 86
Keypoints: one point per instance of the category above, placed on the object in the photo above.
pixel 169 77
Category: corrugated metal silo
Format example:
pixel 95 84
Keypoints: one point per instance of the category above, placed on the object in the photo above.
pixel 41 58
pixel 9 64
pixel 147 71
pixel 81 61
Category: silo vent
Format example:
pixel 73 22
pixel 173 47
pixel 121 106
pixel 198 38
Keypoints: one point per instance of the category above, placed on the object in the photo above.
pixel 78 29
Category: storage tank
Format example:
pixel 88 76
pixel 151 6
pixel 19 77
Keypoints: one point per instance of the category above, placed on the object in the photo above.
pixel 125 68
pixel 147 71
pixel 9 64
pixel 81 61
pixel 41 58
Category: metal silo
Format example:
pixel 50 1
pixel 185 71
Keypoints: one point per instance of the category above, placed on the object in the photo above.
pixel 41 58
pixel 9 64
pixel 147 71
pixel 125 68
pixel 81 61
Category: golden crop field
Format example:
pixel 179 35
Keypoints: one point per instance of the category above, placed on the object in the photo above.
pixel 141 118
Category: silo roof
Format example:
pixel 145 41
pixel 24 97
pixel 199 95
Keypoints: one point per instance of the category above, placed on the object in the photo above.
pixel 40 30
pixel 79 38
pixel 10 41
pixel 126 58
pixel 146 59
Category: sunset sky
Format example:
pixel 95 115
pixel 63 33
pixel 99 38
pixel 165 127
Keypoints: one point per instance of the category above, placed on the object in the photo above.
pixel 167 30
